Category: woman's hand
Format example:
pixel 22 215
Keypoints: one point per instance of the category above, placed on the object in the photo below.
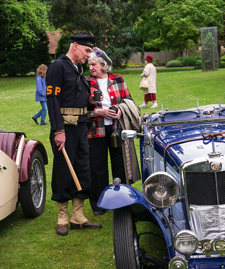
pixel 106 113
pixel 118 115
pixel 92 100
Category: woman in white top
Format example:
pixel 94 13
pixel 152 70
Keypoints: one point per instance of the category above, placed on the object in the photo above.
pixel 150 73
pixel 101 124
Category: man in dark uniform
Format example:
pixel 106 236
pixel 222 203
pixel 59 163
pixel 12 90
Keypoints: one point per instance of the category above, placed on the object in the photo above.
pixel 68 98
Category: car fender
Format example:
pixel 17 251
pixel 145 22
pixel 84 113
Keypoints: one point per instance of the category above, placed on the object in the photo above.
pixel 29 147
pixel 114 197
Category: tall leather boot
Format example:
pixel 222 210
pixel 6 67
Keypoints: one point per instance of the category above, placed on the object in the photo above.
pixel 78 220
pixel 62 225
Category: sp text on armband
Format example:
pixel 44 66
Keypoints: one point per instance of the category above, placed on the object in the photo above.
pixel 53 91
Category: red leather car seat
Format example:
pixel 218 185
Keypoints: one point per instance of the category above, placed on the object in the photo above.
pixel 7 143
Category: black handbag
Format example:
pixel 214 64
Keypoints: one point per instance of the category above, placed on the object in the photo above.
pixel 116 139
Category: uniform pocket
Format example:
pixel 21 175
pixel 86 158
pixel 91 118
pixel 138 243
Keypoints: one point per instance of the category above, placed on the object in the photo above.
pixel 70 119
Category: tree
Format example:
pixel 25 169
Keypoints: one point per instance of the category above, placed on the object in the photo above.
pixel 23 40
pixel 63 45
pixel 179 21
pixel 112 22
pixel 147 29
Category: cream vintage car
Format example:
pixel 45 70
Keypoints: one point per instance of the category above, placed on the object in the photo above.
pixel 22 174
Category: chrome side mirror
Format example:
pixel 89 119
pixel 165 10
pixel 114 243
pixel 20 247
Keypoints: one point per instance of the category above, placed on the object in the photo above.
pixel 129 134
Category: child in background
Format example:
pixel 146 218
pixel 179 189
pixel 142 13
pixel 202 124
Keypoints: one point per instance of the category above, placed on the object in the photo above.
pixel 41 94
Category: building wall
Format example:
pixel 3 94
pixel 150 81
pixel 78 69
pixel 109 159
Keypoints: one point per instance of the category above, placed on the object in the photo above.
pixel 53 37
pixel 163 57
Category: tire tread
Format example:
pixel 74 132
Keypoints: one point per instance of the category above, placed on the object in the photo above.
pixel 123 236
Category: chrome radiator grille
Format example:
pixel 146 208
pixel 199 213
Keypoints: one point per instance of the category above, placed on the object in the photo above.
pixel 205 188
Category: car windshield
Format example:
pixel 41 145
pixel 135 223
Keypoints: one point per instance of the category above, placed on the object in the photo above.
pixel 185 108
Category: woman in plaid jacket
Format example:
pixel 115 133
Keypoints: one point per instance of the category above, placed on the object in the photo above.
pixel 101 125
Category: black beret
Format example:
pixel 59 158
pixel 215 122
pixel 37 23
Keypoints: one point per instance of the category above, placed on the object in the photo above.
pixel 84 40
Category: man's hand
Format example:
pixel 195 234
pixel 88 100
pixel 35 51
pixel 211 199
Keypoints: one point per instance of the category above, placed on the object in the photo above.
pixel 60 138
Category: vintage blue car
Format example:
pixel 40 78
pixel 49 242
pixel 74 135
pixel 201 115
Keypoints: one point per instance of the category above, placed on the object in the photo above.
pixel 183 174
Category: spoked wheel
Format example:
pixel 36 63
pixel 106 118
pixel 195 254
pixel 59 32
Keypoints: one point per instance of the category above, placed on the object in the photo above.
pixel 32 192
pixel 126 246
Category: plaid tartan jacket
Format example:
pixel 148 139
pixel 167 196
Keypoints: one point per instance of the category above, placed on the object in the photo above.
pixel 117 90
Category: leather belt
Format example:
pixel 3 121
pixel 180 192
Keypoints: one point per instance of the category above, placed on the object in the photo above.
pixel 73 111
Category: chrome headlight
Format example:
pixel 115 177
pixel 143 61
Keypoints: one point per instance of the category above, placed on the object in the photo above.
pixel 161 189
pixel 186 242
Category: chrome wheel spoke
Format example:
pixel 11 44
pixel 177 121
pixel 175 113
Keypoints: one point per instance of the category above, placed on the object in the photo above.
pixel 37 183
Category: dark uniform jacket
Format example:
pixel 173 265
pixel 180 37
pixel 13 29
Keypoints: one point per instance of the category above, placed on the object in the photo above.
pixel 64 86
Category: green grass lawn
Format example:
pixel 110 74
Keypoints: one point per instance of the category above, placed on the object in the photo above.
pixel 33 243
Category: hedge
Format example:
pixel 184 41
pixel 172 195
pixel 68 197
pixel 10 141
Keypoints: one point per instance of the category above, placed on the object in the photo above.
pixel 174 63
